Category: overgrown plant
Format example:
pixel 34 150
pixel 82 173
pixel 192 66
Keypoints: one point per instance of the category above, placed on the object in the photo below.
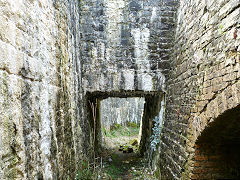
pixel 85 171
pixel 155 140
pixel 94 114
pixel 119 130
pixel 91 170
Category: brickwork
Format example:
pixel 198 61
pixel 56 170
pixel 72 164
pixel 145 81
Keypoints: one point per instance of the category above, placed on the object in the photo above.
pixel 56 55
pixel 204 78
pixel 217 148
pixel 206 165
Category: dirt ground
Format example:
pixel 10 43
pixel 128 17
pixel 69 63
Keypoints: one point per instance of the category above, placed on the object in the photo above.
pixel 123 166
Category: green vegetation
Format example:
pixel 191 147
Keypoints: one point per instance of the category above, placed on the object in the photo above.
pixel 132 125
pixel 85 171
pixel 116 164
pixel 114 171
pixel 118 130
pixel 115 157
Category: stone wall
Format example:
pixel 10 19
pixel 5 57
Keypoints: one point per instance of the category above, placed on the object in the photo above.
pixel 217 148
pixel 52 54
pixel 125 50
pixel 121 111
pixel 203 82
pixel 125 44
pixel 39 89
pixel 56 55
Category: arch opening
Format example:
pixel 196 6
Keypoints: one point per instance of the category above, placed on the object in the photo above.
pixel 217 150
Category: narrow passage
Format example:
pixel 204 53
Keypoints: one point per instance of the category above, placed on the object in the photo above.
pixel 121 133
pixel 121 157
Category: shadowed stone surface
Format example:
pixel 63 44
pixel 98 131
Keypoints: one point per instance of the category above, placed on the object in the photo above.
pixel 39 91
pixel 130 50
pixel 56 56
pixel 203 81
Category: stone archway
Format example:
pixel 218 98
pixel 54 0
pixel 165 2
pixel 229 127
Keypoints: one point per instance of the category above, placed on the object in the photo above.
pixel 217 148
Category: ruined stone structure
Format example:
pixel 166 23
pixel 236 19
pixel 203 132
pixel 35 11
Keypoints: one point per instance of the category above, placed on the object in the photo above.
pixel 200 137
pixel 40 96
pixel 58 56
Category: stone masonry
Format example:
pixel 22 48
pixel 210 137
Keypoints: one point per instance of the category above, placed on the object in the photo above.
pixel 56 56
pixel 38 89
pixel 125 44
pixel 203 81
pixel 54 52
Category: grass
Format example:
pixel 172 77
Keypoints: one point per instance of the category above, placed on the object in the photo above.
pixel 114 171
pixel 118 130
pixel 85 171
pixel 121 165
